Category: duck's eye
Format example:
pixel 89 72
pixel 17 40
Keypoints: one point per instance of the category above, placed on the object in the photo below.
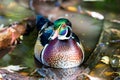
pixel 63 25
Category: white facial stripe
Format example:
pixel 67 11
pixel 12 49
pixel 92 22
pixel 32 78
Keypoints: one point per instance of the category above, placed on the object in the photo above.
pixel 66 32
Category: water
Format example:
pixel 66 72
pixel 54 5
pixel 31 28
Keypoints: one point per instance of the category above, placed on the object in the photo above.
pixel 99 38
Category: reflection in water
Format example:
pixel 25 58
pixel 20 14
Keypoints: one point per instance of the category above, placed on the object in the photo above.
pixel 88 30
pixel 109 44
pixel 49 73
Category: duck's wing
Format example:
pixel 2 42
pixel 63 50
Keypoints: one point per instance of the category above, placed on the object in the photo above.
pixel 45 36
pixel 44 26
pixel 40 21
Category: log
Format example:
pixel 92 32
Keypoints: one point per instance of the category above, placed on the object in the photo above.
pixel 10 34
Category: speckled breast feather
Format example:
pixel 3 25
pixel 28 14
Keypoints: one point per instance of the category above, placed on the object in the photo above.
pixel 62 54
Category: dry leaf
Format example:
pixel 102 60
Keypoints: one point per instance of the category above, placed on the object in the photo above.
pixel 13 68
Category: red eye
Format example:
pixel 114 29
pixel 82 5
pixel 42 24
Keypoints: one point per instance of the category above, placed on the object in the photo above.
pixel 63 25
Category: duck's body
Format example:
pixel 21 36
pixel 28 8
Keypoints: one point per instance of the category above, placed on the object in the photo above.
pixel 62 54
pixel 62 48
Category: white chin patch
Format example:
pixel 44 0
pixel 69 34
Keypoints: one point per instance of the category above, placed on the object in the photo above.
pixel 62 37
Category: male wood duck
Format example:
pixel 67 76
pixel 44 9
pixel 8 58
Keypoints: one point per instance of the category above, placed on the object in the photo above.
pixel 61 47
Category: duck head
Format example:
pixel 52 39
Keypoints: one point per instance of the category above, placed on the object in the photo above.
pixel 62 29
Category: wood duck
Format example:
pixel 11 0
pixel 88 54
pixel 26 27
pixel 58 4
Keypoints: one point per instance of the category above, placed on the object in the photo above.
pixel 61 47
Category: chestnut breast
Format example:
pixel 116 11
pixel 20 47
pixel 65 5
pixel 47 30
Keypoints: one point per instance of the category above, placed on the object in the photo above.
pixel 61 53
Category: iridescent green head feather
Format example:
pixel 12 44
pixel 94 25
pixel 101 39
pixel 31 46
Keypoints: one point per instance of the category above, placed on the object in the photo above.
pixel 60 21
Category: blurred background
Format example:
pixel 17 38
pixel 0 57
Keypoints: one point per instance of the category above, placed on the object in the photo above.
pixel 96 22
